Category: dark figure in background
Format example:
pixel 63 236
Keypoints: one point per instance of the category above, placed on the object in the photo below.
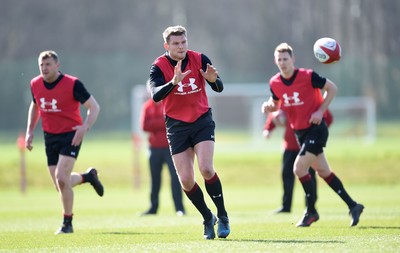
pixel 153 122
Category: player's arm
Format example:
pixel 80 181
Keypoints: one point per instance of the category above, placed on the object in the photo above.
pixel 158 87
pixel 272 105
pixel 211 74
pixel 269 126
pixel 329 90
pixel 33 118
pixel 93 110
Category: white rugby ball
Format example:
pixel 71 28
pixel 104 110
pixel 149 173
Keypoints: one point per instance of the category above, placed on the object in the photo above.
pixel 327 50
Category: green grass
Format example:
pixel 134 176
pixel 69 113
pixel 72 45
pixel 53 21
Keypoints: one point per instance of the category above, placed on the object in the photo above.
pixel 250 173
pixel 112 224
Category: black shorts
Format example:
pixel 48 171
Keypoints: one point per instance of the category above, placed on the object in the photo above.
pixel 313 139
pixel 182 135
pixel 59 144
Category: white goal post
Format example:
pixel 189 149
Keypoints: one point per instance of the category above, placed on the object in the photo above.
pixel 238 108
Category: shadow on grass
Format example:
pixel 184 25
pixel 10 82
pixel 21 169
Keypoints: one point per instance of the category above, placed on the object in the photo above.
pixel 133 233
pixel 283 241
pixel 379 227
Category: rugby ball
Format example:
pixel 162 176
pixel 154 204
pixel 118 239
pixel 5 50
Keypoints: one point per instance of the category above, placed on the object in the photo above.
pixel 327 50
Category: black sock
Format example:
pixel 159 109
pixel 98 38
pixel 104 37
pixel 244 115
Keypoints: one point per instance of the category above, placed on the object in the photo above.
pixel 314 179
pixel 334 182
pixel 196 196
pixel 308 186
pixel 86 177
pixel 67 219
pixel 214 189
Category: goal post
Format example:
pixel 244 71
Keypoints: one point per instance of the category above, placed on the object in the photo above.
pixel 138 97
pixel 358 114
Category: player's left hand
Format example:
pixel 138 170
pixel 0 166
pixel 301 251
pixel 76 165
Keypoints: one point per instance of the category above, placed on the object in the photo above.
pixel 211 73
pixel 316 118
pixel 79 133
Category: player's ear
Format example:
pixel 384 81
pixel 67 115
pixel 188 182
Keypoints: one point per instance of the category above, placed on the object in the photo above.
pixel 166 46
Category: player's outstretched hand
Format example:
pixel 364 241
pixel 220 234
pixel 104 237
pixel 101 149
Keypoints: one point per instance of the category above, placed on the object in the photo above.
pixel 211 73
pixel 178 75
pixel 269 106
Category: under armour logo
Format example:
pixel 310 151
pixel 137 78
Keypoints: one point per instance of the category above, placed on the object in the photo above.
pixel 218 196
pixel 292 100
pixel 191 84
pixel 45 104
pixel 311 141
pixel 73 153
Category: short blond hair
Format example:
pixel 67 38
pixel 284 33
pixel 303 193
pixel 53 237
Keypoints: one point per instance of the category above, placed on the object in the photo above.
pixel 284 47
pixel 48 54
pixel 173 30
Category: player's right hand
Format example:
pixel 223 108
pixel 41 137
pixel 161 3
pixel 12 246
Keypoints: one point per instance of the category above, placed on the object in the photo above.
pixel 28 141
pixel 178 75
pixel 266 134
pixel 269 106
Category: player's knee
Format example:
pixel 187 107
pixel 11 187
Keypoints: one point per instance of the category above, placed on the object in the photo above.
pixel 61 184
pixel 324 172
pixel 186 181
pixel 299 169
pixel 207 172
pixel 187 185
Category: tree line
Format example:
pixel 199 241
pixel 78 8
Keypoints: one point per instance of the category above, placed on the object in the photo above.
pixel 110 45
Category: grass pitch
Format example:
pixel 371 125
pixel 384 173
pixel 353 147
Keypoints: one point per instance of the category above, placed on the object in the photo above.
pixel 112 223
pixel 250 175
